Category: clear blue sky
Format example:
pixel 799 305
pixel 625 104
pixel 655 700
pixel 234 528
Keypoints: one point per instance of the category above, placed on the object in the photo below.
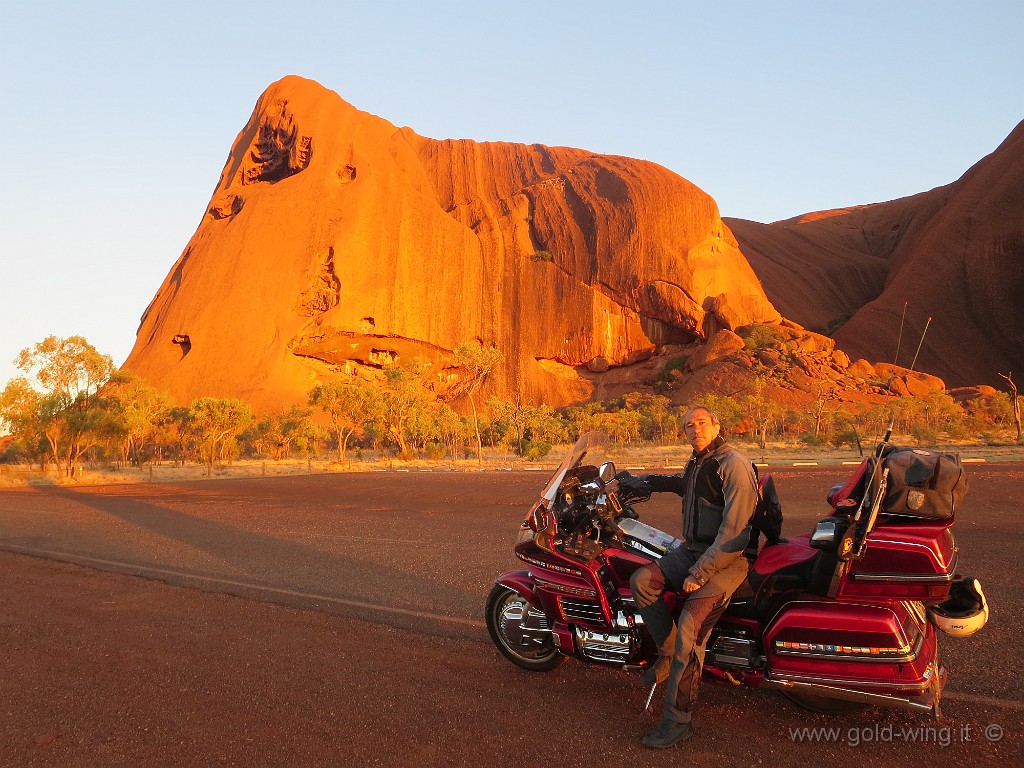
pixel 118 116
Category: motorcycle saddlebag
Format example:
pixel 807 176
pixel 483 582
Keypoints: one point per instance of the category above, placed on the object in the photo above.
pixel 836 643
pixel 923 484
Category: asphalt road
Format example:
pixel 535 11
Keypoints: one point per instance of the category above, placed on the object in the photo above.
pixel 359 637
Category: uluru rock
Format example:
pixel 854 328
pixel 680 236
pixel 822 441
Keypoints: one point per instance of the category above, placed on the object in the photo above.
pixel 954 253
pixel 336 243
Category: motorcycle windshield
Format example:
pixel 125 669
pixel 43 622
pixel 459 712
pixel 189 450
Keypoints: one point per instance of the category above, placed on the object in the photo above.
pixel 590 447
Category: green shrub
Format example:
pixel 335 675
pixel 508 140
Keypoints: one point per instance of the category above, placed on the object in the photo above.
pixel 762 336
pixel 924 434
pixel 435 451
pixel 675 364
pixel 532 450
pixel 542 256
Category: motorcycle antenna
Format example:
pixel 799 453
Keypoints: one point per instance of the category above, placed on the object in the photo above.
pixel 923 334
pixel 899 339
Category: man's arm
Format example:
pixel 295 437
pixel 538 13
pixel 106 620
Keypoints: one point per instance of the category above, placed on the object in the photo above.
pixel 739 486
pixel 663 483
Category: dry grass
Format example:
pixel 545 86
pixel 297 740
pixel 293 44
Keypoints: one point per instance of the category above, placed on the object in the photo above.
pixel 625 457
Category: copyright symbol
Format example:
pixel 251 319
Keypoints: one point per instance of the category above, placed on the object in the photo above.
pixel 994 732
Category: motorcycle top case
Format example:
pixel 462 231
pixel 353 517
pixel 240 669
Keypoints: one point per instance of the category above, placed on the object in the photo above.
pixel 905 561
pixel 923 484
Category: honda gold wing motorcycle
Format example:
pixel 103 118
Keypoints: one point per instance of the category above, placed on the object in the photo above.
pixel 839 618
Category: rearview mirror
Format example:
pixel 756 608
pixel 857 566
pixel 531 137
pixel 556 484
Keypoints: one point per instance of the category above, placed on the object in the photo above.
pixel 606 472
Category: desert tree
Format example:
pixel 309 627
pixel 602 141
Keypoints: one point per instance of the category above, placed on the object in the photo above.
pixel 582 418
pixel 302 431
pixel 452 429
pixel 479 362
pixel 1015 403
pixel 22 416
pixel 623 426
pixel 402 399
pixel 71 415
pixel 509 422
pixel 349 406
pixel 215 421
pixel 273 433
pixel 70 369
pixel 140 410
pixel 517 424
pixel 653 410
pixel 763 411
pixel 824 396
pixel 260 436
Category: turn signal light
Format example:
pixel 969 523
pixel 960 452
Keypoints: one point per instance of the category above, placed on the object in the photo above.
pixel 537 519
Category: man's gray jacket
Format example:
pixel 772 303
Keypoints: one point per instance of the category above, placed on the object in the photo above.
pixel 719 490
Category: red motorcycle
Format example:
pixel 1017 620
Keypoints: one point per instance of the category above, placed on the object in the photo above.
pixel 836 619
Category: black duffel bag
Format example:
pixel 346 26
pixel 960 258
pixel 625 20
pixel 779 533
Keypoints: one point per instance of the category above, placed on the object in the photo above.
pixel 923 484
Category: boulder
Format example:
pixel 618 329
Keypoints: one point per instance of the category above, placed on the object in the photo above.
pixel 966 394
pixel 909 383
pixel 861 369
pixel 769 357
pixel 721 345
pixel 920 384
pixel 841 359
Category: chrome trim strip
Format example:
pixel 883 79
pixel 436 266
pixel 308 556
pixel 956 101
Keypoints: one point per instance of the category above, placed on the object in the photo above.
pixel 935 555
pixel 565 588
pixel 925 703
pixel 782 678
pixel 937 579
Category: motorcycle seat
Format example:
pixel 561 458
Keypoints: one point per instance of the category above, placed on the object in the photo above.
pixel 784 567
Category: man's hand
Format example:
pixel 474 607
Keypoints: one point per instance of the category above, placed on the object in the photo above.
pixel 632 485
pixel 648 584
pixel 691 585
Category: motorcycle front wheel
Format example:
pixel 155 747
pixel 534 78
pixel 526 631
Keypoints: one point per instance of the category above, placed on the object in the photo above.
pixel 505 613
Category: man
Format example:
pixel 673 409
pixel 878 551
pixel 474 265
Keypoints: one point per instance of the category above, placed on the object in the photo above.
pixel 719 491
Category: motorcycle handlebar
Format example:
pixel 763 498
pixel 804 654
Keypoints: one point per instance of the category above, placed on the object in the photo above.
pixel 632 488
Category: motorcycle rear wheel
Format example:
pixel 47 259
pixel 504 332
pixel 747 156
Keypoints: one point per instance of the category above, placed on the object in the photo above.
pixel 824 705
pixel 505 612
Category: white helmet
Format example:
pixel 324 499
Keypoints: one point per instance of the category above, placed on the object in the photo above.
pixel 964 612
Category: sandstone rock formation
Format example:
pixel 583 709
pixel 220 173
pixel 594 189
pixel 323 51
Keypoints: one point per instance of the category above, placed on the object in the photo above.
pixel 955 253
pixel 336 243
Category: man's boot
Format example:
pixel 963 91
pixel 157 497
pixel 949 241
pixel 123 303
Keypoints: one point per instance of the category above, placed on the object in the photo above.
pixel 667 733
